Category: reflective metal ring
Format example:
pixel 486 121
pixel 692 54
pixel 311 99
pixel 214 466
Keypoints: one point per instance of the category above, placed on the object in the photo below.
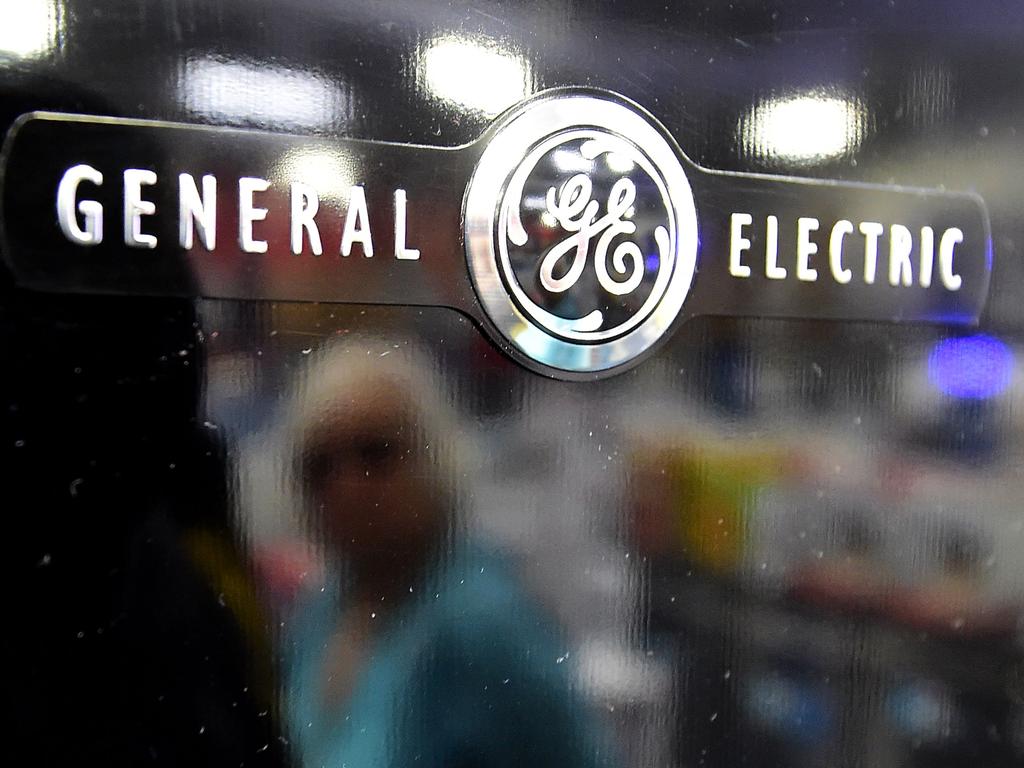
pixel 625 299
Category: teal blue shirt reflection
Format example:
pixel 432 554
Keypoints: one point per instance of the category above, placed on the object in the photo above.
pixel 467 673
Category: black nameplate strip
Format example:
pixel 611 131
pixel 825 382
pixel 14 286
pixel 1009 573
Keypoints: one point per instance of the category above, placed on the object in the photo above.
pixel 104 205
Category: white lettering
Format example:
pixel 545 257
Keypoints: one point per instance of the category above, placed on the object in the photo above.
pixel 198 210
pixel 901 243
pixel 738 244
pixel 901 254
pixel 805 249
pixel 840 229
pixel 357 216
pixel 135 207
pixel 771 250
pixel 927 256
pixel 401 251
pixel 871 230
pixel 91 210
pixel 305 204
pixel 950 239
pixel 248 213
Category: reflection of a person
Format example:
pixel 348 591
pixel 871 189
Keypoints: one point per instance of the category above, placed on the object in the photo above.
pixel 140 639
pixel 417 649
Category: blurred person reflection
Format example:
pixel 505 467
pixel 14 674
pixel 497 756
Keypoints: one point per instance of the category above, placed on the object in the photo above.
pixel 418 647
pixel 140 639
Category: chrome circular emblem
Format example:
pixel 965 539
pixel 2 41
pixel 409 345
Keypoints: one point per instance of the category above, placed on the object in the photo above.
pixel 581 232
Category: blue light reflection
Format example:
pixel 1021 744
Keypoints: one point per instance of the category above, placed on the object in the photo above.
pixel 971 367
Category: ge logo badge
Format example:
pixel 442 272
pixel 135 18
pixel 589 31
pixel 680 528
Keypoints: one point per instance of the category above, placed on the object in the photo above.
pixel 581 232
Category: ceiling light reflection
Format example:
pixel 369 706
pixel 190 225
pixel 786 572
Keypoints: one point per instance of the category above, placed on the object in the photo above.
pixel 252 92
pixel 327 171
pixel 569 161
pixel 476 75
pixel 28 29
pixel 803 129
pixel 619 162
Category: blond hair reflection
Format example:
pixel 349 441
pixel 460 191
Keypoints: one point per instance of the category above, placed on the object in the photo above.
pixel 375 446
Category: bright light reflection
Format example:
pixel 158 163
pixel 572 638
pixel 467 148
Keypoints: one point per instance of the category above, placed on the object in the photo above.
pixel 477 76
pixel 620 163
pixel 971 367
pixel 325 170
pixel 28 28
pixel 570 161
pixel 234 91
pixel 803 129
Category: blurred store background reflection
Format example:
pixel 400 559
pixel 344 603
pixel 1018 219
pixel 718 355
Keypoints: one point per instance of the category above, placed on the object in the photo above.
pixel 775 543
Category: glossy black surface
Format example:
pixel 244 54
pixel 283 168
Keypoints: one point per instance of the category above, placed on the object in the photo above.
pixel 772 543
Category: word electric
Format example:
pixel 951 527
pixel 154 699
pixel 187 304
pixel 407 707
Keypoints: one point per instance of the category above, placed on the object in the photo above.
pixel 844 251
pixel 197 205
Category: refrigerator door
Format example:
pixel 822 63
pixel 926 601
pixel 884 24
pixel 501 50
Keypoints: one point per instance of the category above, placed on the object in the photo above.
pixel 682 431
